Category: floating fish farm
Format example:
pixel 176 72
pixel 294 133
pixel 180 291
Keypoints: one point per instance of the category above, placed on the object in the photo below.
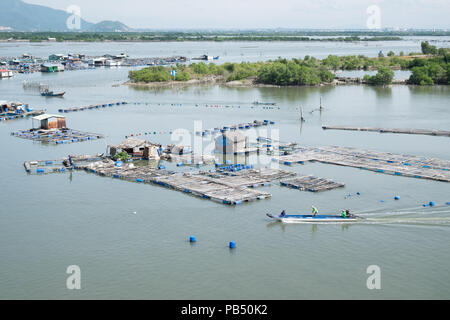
pixel 57 136
pixel 381 162
pixel 438 133
pixel 92 107
pixel 226 187
pixel 311 183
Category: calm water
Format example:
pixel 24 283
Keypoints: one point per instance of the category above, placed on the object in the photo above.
pixel 50 222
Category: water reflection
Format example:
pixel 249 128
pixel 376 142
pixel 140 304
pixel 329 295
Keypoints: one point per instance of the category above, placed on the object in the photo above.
pixel 382 92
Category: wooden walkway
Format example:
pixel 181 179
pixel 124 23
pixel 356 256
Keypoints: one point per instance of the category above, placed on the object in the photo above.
pixel 382 162
pixel 438 133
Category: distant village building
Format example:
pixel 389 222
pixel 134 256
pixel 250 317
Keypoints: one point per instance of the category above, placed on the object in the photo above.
pixel 50 67
pixel 56 57
pixel 5 73
pixel 231 142
pixel 50 121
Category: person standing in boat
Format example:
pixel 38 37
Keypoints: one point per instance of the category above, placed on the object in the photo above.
pixel 283 213
pixel 314 211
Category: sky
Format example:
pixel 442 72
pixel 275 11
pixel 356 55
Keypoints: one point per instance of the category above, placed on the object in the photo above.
pixel 251 14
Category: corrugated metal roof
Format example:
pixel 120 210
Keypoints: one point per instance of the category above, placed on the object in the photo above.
pixel 47 116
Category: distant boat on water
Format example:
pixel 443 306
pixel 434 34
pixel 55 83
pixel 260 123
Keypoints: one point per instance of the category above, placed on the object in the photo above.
pixel 264 103
pixel 47 93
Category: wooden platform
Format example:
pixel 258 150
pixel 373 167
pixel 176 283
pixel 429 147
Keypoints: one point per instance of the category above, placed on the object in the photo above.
pixel 382 162
pixel 230 188
pixel 439 133
pixel 311 183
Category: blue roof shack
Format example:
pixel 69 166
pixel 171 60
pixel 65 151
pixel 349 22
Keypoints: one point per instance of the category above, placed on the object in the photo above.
pixel 50 67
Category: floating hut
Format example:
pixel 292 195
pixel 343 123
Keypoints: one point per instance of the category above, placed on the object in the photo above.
pixel 50 67
pixel 137 148
pixel 50 121
pixel 232 142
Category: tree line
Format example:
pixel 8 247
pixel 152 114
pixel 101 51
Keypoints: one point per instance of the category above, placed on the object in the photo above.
pixel 432 66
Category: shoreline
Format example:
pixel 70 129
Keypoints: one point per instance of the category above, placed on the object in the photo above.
pixel 248 83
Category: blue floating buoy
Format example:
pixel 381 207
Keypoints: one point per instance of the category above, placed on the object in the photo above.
pixel 431 203
pixel 397 198
pixel 358 193
pixel 192 239
pixel 448 203
pixel 232 245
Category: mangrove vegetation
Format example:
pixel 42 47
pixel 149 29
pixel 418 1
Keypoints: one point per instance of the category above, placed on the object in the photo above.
pixel 432 66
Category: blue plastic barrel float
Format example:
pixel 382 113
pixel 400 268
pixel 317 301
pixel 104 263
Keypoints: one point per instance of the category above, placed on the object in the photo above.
pixel 192 239
pixel 232 245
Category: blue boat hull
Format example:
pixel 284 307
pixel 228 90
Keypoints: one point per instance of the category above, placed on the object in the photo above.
pixel 308 218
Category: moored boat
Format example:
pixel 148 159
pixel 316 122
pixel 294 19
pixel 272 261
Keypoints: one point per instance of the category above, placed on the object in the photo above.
pixel 309 218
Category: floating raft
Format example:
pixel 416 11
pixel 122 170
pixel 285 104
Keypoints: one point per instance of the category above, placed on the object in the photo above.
pixel 92 107
pixel 15 116
pixel 381 162
pixel 230 188
pixel 240 126
pixel 311 183
pixel 441 133
pixel 56 136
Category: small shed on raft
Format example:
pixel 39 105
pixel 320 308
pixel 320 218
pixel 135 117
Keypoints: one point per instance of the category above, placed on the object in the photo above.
pixel 231 142
pixel 137 148
pixel 50 121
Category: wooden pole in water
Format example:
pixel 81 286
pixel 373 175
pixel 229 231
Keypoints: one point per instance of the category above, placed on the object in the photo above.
pixel 302 118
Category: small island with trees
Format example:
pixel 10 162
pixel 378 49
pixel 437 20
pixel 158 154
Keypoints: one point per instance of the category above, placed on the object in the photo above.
pixel 430 67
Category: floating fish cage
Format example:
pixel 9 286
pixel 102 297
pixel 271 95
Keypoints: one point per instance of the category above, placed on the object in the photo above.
pixel 231 188
pixel 380 162
pixel 92 107
pixel 57 136
pixel 7 116
pixel 439 133
pixel 311 183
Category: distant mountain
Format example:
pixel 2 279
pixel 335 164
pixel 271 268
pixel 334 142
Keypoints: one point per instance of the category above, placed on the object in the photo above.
pixel 21 16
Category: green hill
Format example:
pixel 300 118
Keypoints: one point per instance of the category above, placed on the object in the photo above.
pixel 22 16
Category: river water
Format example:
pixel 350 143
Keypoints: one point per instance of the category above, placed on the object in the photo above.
pixel 49 222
